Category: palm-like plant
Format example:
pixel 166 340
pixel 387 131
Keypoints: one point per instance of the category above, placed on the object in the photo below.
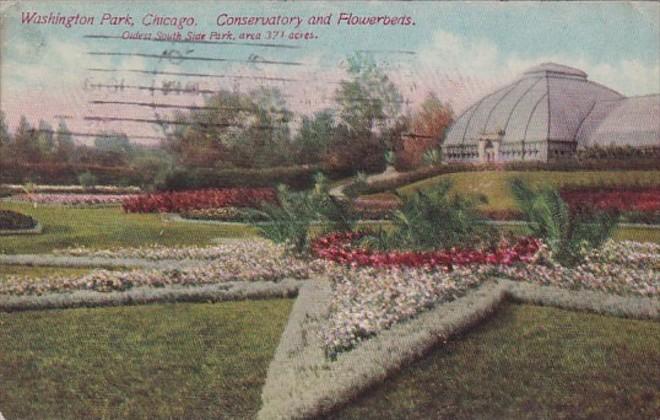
pixel 570 235
pixel 290 220
pixel 433 219
pixel 432 157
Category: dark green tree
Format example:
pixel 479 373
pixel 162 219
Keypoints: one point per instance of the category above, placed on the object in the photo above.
pixel 114 142
pixel 369 107
pixel 25 145
pixel 64 144
pixel 45 140
pixel 5 137
pixel 315 134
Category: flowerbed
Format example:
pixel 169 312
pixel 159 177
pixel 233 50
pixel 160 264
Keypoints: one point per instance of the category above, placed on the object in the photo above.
pixel 233 261
pixel 75 189
pixel 621 199
pixel 72 199
pixel 10 220
pixel 200 199
pixel 224 214
pixel 229 249
pixel 368 300
pixel 342 248
pixel 622 268
pixel 372 291
pixel 374 209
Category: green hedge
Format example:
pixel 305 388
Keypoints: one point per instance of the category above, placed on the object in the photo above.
pixel 296 177
pixel 66 173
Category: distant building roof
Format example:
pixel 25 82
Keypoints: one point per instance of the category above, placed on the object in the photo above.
pixel 549 102
pixel 631 121
pixel 552 68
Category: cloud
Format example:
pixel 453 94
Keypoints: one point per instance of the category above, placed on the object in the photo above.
pixel 467 69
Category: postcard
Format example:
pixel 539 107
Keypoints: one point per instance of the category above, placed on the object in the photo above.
pixel 337 210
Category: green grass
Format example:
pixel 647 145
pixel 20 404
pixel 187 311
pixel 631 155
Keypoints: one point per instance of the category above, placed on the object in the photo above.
pixel 494 184
pixel 637 234
pixel 107 227
pixel 154 361
pixel 529 362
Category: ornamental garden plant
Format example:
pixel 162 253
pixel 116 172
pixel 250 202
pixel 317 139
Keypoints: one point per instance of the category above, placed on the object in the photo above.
pixel 11 220
pixel 174 202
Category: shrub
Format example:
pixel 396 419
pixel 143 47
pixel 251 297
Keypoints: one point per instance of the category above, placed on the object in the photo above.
pixel 288 222
pixel 87 180
pixel 11 220
pixel 569 234
pixel 295 177
pixel 65 173
pixel 433 219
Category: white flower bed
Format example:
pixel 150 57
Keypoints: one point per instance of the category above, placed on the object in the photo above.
pixel 38 188
pixel 234 261
pixel 621 268
pixel 368 300
pixel 254 249
pixel 72 199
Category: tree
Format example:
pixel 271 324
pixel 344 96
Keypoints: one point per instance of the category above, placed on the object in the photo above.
pixel 113 142
pixel 5 138
pixel 428 128
pixel 266 141
pixel 233 128
pixel 44 140
pixel 25 142
pixel 368 100
pixel 369 108
pixel 64 144
pixel 312 140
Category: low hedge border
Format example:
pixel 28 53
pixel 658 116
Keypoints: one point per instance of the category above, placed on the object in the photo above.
pixel 40 260
pixel 287 288
pixel 302 383
pixel 36 230
pixel 174 217
pixel 13 200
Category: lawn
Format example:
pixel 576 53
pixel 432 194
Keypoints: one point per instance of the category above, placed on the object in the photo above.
pixel 529 362
pixel 494 184
pixel 106 228
pixel 154 361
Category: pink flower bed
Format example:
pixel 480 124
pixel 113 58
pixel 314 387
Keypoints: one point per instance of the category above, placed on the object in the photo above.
pixel 200 199
pixel 340 248
pixel 73 199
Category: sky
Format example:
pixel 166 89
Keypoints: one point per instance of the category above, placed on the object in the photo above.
pixel 460 51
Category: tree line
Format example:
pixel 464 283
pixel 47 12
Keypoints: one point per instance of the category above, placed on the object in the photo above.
pixel 255 129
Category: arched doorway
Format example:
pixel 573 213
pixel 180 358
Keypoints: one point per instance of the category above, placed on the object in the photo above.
pixel 489 151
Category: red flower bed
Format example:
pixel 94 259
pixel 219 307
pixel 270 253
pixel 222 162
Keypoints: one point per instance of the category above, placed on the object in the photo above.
pixel 642 200
pixel 339 247
pixel 199 199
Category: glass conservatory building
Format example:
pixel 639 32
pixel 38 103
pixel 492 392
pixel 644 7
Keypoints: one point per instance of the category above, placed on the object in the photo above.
pixel 548 114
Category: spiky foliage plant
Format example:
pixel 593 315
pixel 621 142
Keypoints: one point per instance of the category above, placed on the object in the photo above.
pixel 433 219
pixel 570 233
pixel 289 221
